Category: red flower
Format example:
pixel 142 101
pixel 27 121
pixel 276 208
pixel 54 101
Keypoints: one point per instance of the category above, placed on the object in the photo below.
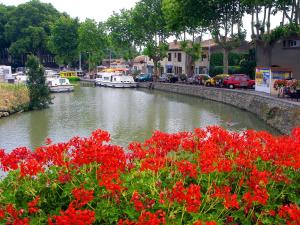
pixel 72 216
pixel 82 197
pixel 32 209
pixel 187 169
pixel 291 213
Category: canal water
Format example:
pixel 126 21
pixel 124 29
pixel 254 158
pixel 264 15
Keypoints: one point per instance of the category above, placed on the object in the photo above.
pixel 128 114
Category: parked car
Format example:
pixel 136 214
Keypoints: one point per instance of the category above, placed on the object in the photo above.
pixel 183 78
pixel 163 78
pixel 239 81
pixel 173 78
pixel 194 79
pixel 144 77
pixel 216 80
pixel 203 78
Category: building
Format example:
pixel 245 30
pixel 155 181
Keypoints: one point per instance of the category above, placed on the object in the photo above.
pixel 177 61
pixel 115 63
pixel 283 53
pixel 143 64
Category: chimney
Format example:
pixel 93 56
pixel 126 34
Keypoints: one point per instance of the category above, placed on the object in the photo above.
pixel 175 42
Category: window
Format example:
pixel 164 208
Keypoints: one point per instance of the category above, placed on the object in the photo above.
pixel 179 57
pixel 179 70
pixel 291 44
pixel 169 57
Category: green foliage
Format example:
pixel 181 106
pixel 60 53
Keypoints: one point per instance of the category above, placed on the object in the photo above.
pixel 281 32
pixel 248 64
pixel 63 41
pixel 73 79
pixel 234 59
pixel 28 27
pixel 148 20
pixel 215 70
pixel 38 90
pixel 123 36
pixel 92 40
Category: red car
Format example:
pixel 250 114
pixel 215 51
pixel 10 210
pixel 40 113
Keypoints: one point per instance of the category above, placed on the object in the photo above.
pixel 239 81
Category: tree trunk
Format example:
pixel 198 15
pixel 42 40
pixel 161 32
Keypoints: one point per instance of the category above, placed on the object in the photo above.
pixel 225 61
pixel 257 22
pixel 155 75
pixel 269 20
pixel 252 23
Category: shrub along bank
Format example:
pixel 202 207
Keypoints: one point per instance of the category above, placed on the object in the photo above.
pixel 209 176
pixel 13 98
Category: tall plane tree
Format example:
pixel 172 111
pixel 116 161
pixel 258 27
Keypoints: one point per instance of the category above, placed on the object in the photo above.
pixel 148 19
pixel 92 41
pixel 123 36
pixel 28 28
pixel 63 41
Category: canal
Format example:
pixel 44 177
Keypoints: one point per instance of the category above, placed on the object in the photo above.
pixel 128 114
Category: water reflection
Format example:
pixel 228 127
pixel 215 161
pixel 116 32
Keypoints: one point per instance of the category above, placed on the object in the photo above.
pixel 127 114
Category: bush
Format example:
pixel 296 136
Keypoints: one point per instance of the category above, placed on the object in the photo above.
pixel 219 70
pixel 38 90
pixel 209 176
pixel 73 79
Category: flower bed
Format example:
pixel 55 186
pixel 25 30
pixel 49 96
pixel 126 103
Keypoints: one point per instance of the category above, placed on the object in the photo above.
pixel 209 176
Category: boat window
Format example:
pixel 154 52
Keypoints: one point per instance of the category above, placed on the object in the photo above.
pixel 115 79
pixel 62 81
pixel 106 78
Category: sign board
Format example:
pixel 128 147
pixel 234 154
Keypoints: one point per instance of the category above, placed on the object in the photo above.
pixel 263 80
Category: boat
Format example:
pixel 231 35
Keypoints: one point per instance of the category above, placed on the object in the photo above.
pixel 115 77
pixel 6 74
pixel 58 84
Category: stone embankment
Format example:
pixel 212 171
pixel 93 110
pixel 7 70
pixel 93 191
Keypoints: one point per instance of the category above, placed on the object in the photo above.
pixel 13 98
pixel 281 114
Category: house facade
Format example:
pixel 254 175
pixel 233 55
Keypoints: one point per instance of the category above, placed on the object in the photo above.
pixel 177 60
pixel 283 53
pixel 143 64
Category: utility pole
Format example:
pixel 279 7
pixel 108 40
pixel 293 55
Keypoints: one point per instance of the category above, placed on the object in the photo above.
pixel 208 66
pixel 109 57
pixel 80 61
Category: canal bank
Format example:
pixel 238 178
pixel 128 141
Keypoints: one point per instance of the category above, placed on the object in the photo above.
pixel 13 99
pixel 281 114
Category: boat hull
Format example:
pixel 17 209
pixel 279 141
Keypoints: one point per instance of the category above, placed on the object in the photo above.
pixel 116 85
pixel 59 89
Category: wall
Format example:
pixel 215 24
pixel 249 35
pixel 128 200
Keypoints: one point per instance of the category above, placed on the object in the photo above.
pixel 281 114
pixel 283 57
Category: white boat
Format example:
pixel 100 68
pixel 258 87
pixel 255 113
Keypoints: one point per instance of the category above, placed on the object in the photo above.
pixel 57 85
pixel 51 74
pixel 21 78
pixel 115 78
pixel 6 74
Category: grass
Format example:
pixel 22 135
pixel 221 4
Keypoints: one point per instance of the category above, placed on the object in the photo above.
pixel 13 97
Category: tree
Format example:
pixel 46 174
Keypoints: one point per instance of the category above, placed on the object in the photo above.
pixel 223 18
pixel 92 39
pixel 226 27
pixel 28 28
pixel 261 11
pixel 38 90
pixel 4 42
pixel 123 37
pixel 193 50
pixel 149 20
pixel 63 41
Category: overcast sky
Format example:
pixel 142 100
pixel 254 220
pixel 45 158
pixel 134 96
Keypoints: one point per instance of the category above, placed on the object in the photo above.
pixel 100 10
